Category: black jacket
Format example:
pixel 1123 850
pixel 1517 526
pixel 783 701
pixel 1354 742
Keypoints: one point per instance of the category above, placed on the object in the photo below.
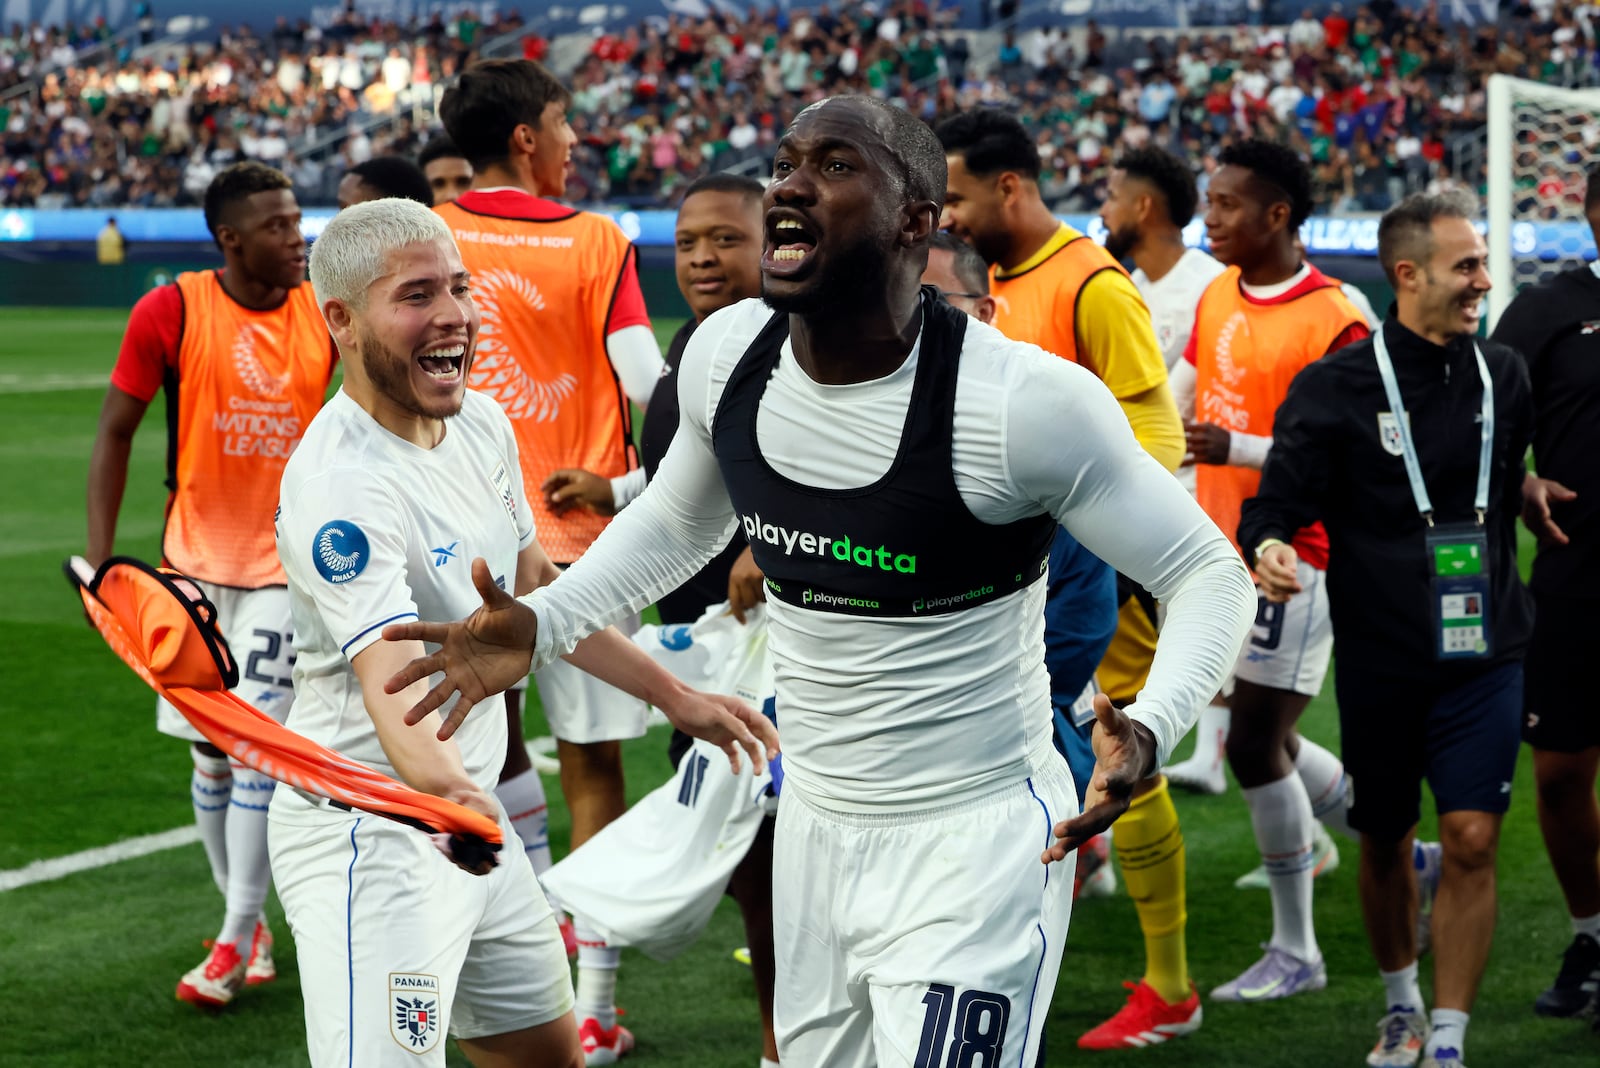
pixel 1329 463
pixel 1556 327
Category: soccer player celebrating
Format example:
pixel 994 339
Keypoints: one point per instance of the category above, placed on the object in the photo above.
pixel 567 344
pixel 899 469
pixel 1553 326
pixel 245 361
pixel 1055 288
pixel 399 946
pixel 1258 323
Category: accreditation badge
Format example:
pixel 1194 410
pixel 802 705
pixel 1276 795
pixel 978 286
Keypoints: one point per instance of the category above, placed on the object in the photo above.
pixel 1458 572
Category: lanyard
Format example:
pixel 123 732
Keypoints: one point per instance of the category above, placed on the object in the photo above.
pixel 1391 389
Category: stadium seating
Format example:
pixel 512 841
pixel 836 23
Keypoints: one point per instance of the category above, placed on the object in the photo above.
pixel 1381 107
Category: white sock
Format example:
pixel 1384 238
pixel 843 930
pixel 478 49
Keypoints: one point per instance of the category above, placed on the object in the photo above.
pixel 249 871
pixel 1326 785
pixel 1449 1032
pixel 524 801
pixel 1589 925
pixel 1280 813
pixel 1400 989
pixel 768 1062
pixel 1210 739
pixel 596 995
pixel 209 787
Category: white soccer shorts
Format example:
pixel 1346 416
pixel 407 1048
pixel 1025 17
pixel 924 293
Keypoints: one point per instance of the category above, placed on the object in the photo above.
pixel 580 708
pixel 398 947
pixel 1290 644
pixel 909 938
pixel 256 626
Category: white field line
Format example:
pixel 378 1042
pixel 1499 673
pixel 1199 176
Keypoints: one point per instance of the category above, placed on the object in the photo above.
pixel 15 383
pixel 44 871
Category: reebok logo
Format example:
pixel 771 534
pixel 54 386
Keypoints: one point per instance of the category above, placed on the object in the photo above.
pixel 811 544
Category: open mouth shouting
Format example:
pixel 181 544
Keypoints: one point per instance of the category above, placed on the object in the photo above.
pixel 791 242
pixel 443 363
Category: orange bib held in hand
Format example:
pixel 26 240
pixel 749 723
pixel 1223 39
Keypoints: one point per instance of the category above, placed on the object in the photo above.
pixel 163 627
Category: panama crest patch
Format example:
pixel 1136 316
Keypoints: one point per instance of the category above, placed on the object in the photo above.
pixel 414 1010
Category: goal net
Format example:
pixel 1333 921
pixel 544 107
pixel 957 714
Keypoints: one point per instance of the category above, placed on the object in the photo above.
pixel 1542 141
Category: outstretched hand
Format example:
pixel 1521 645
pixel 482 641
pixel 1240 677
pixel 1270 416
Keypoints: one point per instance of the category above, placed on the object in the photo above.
pixel 572 487
pixel 1124 754
pixel 725 722
pixel 486 653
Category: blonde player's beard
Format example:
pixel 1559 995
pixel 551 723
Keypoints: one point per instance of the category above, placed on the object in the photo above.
pixel 390 375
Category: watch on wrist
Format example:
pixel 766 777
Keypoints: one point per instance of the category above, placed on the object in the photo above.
pixel 1266 543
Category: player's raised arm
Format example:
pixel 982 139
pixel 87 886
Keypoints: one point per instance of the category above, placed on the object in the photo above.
pixel 482 655
pixel 1126 509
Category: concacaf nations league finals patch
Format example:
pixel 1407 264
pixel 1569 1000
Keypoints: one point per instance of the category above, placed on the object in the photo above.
pixel 340 551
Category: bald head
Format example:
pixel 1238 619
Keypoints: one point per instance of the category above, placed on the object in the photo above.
pixel 905 139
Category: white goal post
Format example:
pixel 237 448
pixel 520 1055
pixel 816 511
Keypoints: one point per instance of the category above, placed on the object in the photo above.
pixel 1543 139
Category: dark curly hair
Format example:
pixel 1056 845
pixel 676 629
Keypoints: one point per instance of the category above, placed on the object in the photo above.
pixel 234 184
pixel 1167 173
pixel 395 176
pixel 1277 167
pixel 990 141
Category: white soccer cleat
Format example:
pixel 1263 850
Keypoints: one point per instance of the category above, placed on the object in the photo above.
pixel 1401 1035
pixel 1324 861
pixel 1444 1057
pixel 260 968
pixel 1199 775
pixel 214 981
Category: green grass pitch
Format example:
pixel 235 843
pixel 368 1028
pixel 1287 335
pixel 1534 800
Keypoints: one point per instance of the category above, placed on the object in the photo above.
pixel 90 961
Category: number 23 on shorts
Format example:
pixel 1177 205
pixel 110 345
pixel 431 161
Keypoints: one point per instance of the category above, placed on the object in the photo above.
pixel 975 1022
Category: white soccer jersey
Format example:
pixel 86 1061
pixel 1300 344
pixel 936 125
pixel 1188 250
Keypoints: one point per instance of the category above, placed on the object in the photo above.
pixel 374 530
pixel 911 713
pixel 1173 298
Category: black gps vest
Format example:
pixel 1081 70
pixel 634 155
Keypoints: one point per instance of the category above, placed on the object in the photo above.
pixel 906 545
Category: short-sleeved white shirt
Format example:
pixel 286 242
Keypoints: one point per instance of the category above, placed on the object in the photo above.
pixel 1173 299
pixel 374 530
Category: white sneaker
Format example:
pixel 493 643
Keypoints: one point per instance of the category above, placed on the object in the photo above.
pixel 1401 1035
pixel 1198 774
pixel 213 982
pixel 1444 1057
pixel 260 968
pixel 1324 859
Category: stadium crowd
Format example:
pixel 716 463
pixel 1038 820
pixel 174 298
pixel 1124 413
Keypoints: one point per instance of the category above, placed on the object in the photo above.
pixel 1384 101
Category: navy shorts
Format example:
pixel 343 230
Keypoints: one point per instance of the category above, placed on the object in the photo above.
pixel 1395 733
pixel 1560 713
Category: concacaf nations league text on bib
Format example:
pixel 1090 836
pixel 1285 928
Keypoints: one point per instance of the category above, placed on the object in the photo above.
pixel 903 546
